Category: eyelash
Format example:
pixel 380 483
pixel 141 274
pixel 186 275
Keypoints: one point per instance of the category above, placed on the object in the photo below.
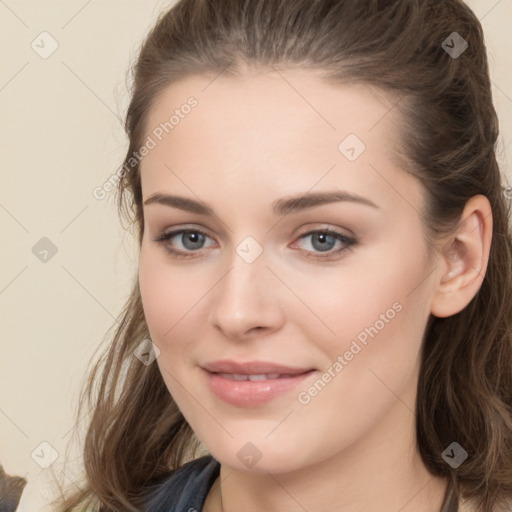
pixel 350 242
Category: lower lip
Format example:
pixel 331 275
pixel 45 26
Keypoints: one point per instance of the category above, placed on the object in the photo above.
pixel 247 393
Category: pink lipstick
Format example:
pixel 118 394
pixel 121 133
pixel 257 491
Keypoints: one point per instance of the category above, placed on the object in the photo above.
pixel 252 383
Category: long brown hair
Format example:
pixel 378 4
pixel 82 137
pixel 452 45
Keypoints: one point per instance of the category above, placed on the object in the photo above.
pixel 450 128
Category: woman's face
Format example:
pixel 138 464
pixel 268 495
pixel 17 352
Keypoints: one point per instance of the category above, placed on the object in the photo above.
pixel 257 279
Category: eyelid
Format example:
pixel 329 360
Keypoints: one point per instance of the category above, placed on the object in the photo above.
pixel 167 235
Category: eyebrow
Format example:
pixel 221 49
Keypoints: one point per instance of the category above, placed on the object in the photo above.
pixel 280 207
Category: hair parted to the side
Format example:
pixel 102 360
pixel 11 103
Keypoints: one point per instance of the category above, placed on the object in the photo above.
pixel 448 141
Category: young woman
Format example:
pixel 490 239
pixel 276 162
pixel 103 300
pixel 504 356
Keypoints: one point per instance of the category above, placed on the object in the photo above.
pixel 322 318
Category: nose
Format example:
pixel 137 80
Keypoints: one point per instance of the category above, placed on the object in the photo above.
pixel 247 300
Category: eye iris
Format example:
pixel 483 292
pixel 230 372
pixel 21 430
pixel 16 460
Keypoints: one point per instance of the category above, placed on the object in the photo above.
pixel 323 237
pixel 196 238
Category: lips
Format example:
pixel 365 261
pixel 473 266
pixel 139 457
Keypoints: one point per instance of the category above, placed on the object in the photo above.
pixel 253 377
pixel 252 383
pixel 252 368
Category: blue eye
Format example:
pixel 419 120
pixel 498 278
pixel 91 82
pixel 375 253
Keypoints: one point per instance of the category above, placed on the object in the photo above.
pixel 192 240
pixel 324 240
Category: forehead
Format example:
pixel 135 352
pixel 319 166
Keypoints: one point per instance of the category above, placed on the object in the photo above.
pixel 279 128
pixel 272 107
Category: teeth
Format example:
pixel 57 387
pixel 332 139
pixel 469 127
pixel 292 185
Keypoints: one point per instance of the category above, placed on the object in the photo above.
pixel 261 376
pixel 264 376
pixel 272 376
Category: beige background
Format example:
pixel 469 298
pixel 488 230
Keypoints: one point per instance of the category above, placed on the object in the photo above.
pixel 61 137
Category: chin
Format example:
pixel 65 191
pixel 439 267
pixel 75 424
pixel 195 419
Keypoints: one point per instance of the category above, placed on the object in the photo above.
pixel 259 457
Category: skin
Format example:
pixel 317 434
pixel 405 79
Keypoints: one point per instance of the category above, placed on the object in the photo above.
pixel 250 141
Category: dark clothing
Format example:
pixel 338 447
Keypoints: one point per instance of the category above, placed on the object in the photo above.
pixel 186 489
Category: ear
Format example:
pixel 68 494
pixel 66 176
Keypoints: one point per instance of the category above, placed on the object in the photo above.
pixel 463 259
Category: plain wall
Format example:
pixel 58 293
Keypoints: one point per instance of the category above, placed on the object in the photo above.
pixel 62 136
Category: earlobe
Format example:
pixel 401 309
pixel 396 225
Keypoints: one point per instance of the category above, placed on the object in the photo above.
pixel 463 264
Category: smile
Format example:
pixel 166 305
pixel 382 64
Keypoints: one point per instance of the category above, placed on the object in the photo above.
pixel 251 390
pixel 253 377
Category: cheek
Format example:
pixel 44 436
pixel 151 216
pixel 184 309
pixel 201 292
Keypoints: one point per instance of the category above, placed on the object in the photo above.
pixel 168 298
pixel 168 295
pixel 376 317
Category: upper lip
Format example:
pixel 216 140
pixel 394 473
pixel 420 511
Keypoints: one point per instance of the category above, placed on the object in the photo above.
pixel 251 367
